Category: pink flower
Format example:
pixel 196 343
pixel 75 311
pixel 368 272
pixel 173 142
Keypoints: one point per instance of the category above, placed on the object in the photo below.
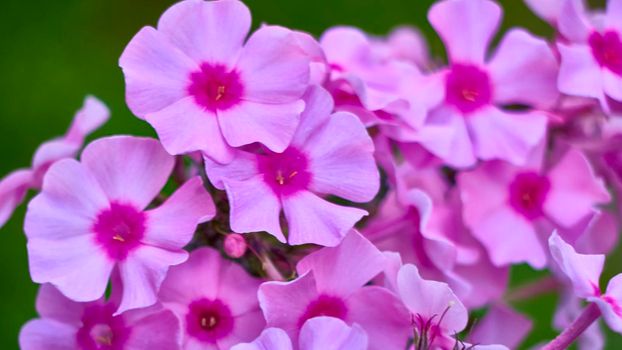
pixel 522 71
pixel 591 59
pixel 90 219
pixel 511 209
pixel 319 333
pixel 215 299
pixel 501 325
pixel 329 154
pixel 196 82
pixel 69 325
pixel 332 283
pixel 13 187
pixel 549 10
pixel 584 273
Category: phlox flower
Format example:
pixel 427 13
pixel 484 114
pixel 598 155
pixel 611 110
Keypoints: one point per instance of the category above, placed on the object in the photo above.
pixel 501 325
pixel 215 300
pixel 591 55
pixel 13 187
pixel 421 221
pixel 202 88
pixel 68 325
pixel 584 272
pixel 522 71
pixel 511 209
pixel 329 154
pixel 318 333
pixel 90 220
pixel 437 315
pixel 332 283
pixel 550 10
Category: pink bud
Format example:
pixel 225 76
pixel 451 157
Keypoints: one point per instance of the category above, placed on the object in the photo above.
pixel 235 245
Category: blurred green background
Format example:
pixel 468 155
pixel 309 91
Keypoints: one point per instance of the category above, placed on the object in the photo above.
pixel 53 53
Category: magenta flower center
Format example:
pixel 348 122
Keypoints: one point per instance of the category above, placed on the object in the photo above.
pixel 286 173
pixel 101 330
pixel 215 87
pixel 607 50
pixel 528 192
pixel 468 88
pixel 325 305
pixel 119 229
pixel 209 320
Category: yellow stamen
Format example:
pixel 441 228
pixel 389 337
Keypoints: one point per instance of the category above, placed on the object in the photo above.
pixel 119 238
pixel 208 322
pixel 293 174
pixel 469 95
pixel 279 178
pixel 220 92
pixel 104 339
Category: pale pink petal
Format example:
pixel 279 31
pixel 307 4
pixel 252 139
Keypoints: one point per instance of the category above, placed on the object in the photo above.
pixel 508 135
pixel 284 303
pixel 524 71
pixel 341 159
pixel 383 317
pixel 157 73
pixel 272 67
pixel 52 304
pixel 453 144
pixel 186 127
pixel 611 304
pixel 614 14
pixel 182 286
pixel 329 333
pixel 501 325
pixel 129 169
pixel 238 289
pixel 312 219
pixel 355 257
pixel 207 31
pixel 573 24
pixel 582 270
pixel 601 235
pixel 483 190
pixel 48 153
pixel 89 118
pixel 431 299
pixel 273 125
pixel 243 166
pixel 254 207
pixel 75 265
pixel 579 73
pixel 548 10
pixel 575 190
pixel 247 327
pixel 142 274
pixel 153 330
pixel 172 225
pixel 509 238
pixel 318 108
pixel 68 204
pixel 612 84
pixel 42 334
pixel 13 189
pixel 344 45
pixel 466 27
pixel 270 339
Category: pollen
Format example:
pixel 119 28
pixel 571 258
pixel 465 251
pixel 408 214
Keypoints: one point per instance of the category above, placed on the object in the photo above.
pixel 470 95
pixel 220 92
pixel 118 238
pixel 279 178
pixel 104 339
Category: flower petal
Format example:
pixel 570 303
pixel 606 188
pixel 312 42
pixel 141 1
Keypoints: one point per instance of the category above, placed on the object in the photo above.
pixel 157 74
pixel 270 338
pixel 341 159
pixel 329 333
pixel 524 71
pixel 311 219
pixel 466 27
pixel 13 189
pixel 129 169
pixel 579 73
pixel 42 334
pixel 207 31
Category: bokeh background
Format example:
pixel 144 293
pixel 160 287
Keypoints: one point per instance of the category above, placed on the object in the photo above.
pixel 54 52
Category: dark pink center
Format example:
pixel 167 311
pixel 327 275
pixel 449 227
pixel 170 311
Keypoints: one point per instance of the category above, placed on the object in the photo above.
pixel 607 50
pixel 101 330
pixel 528 192
pixel 215 87
pixel 119 229
pixel 467 87
pixel 209 320
pixel 325 305
pixel 286 173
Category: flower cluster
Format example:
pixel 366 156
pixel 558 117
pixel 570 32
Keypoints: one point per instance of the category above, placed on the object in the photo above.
pixel 351 192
